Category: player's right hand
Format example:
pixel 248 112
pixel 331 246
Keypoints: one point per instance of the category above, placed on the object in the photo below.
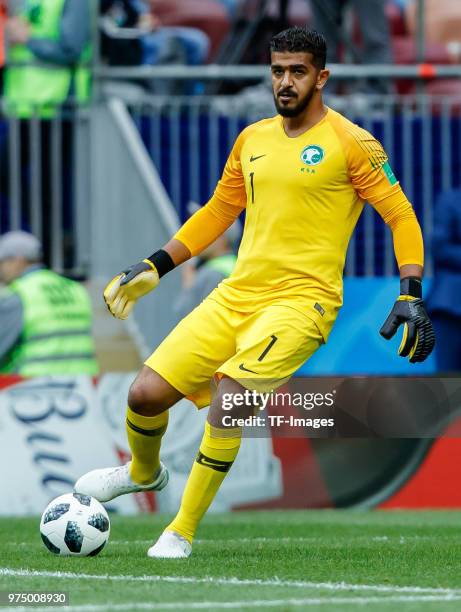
pixel 123 291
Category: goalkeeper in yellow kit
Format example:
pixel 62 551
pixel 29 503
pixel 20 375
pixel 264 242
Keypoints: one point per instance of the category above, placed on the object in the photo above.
pixel 302 177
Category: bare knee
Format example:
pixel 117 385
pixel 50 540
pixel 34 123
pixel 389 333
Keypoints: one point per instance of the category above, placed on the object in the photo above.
pixel 223 403
pixel 150 394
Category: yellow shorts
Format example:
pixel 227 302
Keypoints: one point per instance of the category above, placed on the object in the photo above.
pixel 260 350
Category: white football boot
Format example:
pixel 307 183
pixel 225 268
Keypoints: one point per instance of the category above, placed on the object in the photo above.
pixel 170 545
pixel 108 483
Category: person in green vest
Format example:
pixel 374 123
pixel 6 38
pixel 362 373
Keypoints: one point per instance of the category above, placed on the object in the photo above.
pixel 45 318
pixel 49 55
pixel 47 73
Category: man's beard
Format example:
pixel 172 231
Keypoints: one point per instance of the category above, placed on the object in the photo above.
pixel 296 110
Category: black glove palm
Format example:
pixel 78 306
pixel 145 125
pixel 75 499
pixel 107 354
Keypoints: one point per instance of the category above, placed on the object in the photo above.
pixel 418 338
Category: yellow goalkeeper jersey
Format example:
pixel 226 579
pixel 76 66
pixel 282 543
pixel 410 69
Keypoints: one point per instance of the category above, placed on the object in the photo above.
pixel 303 197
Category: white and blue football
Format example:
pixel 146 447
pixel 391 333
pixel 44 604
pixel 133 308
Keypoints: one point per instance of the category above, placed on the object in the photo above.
pixel 75 525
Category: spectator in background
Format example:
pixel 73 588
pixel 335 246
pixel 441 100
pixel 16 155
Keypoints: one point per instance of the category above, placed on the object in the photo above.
pixel 154 37
pixel 195 43
pixel 444 302
pixel 45 318
pixel 49 55
pixel 374 27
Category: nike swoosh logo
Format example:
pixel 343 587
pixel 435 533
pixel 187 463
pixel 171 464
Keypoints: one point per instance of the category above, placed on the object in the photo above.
pixel 242 367
pixel 254 158
pixel 207 462
pixel 214 464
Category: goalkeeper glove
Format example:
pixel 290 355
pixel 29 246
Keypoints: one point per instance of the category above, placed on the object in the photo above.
pixel 123 291
pixel 418 338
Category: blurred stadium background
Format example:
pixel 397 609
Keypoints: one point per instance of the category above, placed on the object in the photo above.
pixel 106 181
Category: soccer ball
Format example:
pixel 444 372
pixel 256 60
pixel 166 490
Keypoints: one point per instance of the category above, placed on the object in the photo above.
pixel 75 525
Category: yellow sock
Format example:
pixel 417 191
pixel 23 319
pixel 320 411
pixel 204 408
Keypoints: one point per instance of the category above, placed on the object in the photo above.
pixel 144 437
pixel 217 452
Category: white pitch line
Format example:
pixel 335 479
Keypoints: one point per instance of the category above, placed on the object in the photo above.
pixel 287 540
pixel 268 540
pixel 261 603
pixel 283 540
pixel 276 582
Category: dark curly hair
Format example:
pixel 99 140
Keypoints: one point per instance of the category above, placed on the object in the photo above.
pixel 301 40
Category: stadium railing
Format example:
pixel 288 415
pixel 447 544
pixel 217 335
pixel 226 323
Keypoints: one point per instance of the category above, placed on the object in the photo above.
pixel 44 183
pixel 239 73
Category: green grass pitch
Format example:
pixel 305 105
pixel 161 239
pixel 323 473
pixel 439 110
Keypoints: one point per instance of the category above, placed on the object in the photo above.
pixel 312 560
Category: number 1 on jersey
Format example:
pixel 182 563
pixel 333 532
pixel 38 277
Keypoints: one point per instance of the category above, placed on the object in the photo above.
pixel 252 174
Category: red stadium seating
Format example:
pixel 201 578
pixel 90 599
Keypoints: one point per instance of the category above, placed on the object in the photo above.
pixel 404 50
pixel 206 15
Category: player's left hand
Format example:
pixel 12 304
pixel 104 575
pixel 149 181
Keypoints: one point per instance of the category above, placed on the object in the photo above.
pixel 418 338
pixel 123 291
